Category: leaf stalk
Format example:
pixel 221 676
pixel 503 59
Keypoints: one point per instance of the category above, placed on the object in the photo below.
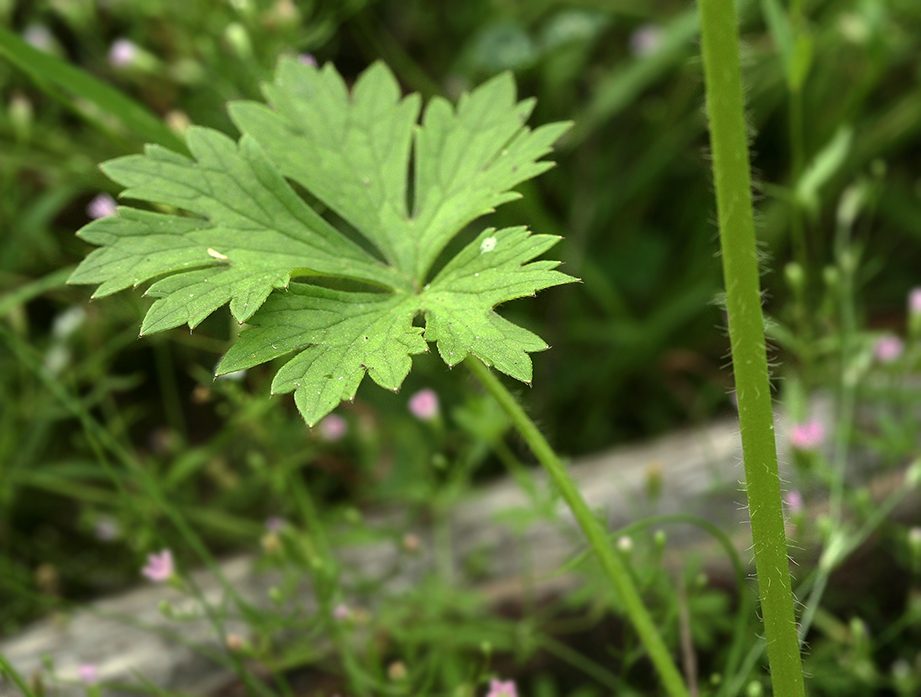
pixel 597 535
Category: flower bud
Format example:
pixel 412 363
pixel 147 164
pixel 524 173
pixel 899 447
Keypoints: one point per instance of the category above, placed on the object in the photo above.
pixel 396 671
pixel 22 116
pixel 237 38
pixel 795 276
pixel 913 475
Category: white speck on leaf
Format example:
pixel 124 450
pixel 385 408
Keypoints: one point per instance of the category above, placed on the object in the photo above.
pixel 216 254
pixel 487 245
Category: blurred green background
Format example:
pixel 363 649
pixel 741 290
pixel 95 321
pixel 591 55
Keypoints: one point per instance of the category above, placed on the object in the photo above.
pixel 637 348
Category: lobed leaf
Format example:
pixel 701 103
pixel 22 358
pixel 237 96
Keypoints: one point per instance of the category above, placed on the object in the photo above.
pixel 234 231
pixel 339 337
pixel 490 270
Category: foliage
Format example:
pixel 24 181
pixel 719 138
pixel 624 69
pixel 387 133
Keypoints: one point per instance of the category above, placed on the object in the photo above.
pixel 352 152
pixel 635 351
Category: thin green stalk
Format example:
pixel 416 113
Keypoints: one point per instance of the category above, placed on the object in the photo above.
pixel 732 177
pixel 837 546
pixel 731 672
pixel 595 532
pixel 324 570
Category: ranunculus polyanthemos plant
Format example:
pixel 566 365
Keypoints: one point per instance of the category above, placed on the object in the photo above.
pixel 236 233
pixel 229 229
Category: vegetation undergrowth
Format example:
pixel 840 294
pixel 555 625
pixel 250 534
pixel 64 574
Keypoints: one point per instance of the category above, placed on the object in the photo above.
pixel 370 213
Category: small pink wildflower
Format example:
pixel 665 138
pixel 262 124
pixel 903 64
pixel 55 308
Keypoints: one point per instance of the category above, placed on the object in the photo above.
pixel 88 674
pixel 794 501
pixel 123 53
pixel 333 428
pixel 424 405
pixel 159 567
pixel 499 688
pixel 307 59
pixel 102 206
pixel 274 523
pixel 646 40
pixel 807 435
pixel 342 612
pixel 107 529
pixel 914 301
pixel 888 348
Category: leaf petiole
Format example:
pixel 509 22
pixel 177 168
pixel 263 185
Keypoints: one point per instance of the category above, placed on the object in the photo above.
pixel 597 536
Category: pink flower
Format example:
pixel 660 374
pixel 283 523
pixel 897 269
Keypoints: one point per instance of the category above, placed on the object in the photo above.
pixel 123 53
pixel 307 59
pixel 914 301
pixel 498 688
pixel 794 501
pixel 88 674
pixel 159 567
pixel 342 612
pixel 107 529
pixel 807 435
pixel 333 428
pixel 424 405
pixel 646 40
pixel 274 524
pixel 888 348
pixel 102 206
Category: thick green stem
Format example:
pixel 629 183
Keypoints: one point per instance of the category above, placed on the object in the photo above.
pixel 725 108
pixel 595 532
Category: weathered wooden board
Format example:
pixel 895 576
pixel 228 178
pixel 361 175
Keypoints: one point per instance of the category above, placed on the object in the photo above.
pixel 700 472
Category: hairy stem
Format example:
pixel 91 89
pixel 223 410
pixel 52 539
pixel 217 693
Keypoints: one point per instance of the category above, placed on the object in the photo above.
pixel 597 536
pixel 725 109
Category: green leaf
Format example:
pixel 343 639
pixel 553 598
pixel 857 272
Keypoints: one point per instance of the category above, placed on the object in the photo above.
pixel 340 337
pixel 459 303
pixel 795 48
pixel 353 151
pixel 232 230
pixel 825 165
